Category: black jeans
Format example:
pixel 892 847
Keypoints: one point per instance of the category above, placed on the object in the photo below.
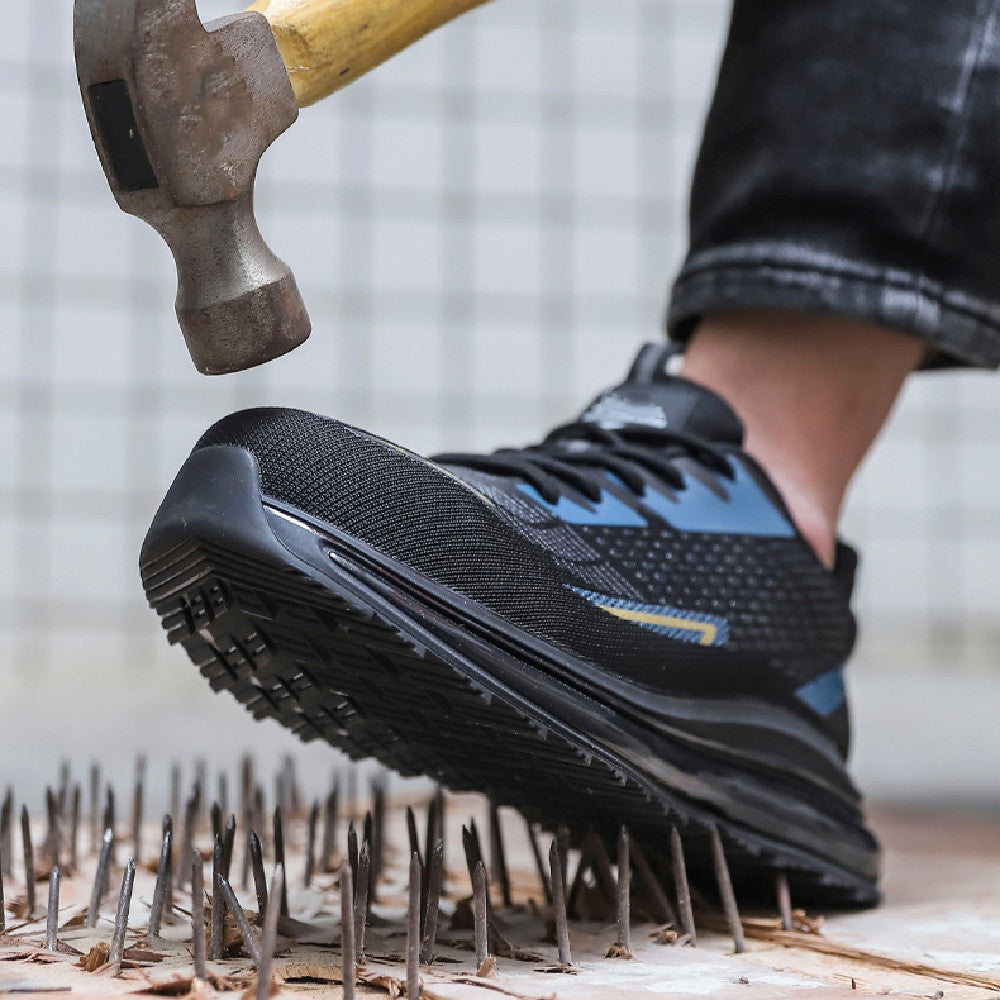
pixel 851 164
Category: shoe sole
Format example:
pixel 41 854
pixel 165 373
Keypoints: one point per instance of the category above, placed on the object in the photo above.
pixel 298 632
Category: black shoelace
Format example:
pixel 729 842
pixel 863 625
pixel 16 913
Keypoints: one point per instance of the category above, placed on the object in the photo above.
pixel 575 455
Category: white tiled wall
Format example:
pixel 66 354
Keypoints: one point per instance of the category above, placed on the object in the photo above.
pixel 484 230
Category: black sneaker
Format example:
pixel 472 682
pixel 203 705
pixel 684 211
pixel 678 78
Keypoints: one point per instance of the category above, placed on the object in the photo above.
pixel 620 625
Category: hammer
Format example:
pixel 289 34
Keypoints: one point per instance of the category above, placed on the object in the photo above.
pixel 181 113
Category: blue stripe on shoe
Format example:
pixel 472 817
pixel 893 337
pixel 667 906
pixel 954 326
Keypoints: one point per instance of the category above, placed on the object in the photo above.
pixel 608 512
pixel 746 510
pixel 825 694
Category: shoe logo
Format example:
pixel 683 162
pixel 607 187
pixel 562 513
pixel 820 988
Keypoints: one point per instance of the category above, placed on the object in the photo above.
pixel 685 626
pixel 614 412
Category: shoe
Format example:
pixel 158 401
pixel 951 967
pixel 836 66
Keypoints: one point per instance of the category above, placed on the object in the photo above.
pixel 620 625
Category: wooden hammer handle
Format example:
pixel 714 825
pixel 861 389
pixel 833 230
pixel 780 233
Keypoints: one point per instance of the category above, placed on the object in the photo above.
pixel 327 44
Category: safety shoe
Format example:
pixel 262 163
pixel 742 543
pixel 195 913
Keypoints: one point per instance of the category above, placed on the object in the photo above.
pixel 620 625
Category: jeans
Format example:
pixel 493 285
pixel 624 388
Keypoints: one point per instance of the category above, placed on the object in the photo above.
pixel 850 164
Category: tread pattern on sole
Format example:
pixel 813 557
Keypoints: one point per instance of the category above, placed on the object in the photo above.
pixel 329 669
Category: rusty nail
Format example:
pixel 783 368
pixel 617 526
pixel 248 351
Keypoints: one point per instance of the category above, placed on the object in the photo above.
pixel 479 897
pixel 498 855
pixel 784 901
pixel 726 893
pixel 197 880
pixel 559 905
pixel 216 943
pixel 269 939
pixel 100 878
pixel 413 929
pixel 311 845
pixel 121 917
pixel 347 945
pixel 279 857
pixel 536 853
pixel 52 913
pixel 259 879
pixel 29 859
pixel 361 900
pixel 246 931
pixel 623 894
pixel 683 888
pixel 160 888
pixel 435 886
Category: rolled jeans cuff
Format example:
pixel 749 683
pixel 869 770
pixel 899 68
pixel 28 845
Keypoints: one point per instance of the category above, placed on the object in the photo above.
pixel 778 275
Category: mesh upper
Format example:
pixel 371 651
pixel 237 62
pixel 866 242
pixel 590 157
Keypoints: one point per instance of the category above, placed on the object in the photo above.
pixel 790 622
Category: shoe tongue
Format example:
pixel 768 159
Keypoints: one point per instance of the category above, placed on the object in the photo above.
pixel 651 397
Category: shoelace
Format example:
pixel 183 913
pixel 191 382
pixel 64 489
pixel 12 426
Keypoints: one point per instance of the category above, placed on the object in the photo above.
pixel 574 454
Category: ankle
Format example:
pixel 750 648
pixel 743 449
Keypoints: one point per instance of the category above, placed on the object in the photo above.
pixel 813 392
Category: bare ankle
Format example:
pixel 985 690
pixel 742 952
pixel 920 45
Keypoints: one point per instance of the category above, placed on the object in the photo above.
pixel 813 391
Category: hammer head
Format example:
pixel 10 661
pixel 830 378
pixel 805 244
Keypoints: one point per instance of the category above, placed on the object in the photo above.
pixel 181 114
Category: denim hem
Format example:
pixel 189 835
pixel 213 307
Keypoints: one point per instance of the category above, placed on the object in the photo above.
pixel 964 331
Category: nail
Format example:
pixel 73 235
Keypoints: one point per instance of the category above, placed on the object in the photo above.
pixel 378 832
pixel 411 833
pixel 472 858
pixel 352 850
pixel 100 878
pixel 347 928
pixel 785 902
pixel 216 944
pixel 683 889
pixel 95 806
pixel 64 780
pixel 435 886
pixel 187 838
pixel 52 914
pixel 74 830
pixel 279 857
pixel 228 843
pixel 367 837
pixel 138 794
pixel 311 845
pixel 361 899
pixel 269 939
pixel 223 799
pixel 7 834
pixel 498 855
pixel 168 879
pixel 200 782
pixel 726 891
pixel 246 782
pixel 29 859
pixel 216 821
pixel 563 839
pixel 435 820
pixel 175 790
pixel 53 834
pixel 109 824
pixel 536 853
pixel 121 918
pixel 246 931
pixel 559 905
pixel 479 895
pixel 413 929
pixel 160 889
pixel 198 914
pixel 259 879
pixel 623 894
pixel 330 831
pixel 664 910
